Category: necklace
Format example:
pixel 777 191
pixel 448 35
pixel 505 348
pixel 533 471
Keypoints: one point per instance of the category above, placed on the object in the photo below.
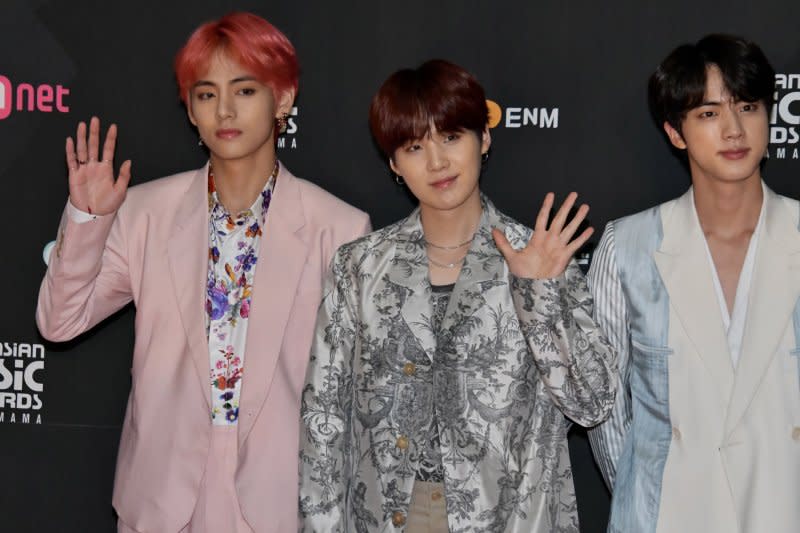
pixel 448 265
pixel 456 247
pixel 275 170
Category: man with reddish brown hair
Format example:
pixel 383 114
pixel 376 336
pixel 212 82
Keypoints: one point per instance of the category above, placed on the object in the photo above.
pixel 224 265
pixel 454 347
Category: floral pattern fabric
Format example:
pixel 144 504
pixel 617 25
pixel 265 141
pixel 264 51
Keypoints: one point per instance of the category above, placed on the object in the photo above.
pixel 233 243
pixel 430 462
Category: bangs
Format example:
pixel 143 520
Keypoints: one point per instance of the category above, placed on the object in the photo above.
pixel 250 41
pixel 437 93
pixel 679 83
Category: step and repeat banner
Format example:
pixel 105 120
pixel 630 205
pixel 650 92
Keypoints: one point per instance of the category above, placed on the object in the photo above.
pixel 567 84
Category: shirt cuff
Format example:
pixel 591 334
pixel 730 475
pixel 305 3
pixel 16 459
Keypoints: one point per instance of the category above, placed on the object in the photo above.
pixel 78 216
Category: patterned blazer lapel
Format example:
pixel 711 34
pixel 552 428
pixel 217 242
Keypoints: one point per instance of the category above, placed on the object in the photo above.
pixel 484 268
pixel 408 283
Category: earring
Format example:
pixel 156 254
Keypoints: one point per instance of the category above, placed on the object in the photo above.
pixel 200 141
pixel 282 122
pixel 399 179
pixel 484 157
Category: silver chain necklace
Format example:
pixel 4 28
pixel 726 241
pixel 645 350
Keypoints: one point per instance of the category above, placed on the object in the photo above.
pixel 447 265
pixel 455 247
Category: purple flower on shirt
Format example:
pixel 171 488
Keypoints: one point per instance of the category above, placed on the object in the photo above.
pixel 217 302
pixel 247 260
pixel 233 242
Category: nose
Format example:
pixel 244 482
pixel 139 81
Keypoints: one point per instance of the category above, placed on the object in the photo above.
pixel 225 106
pixel 437 158
pixel 732 123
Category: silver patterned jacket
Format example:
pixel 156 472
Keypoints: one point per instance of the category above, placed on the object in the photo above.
pixel 514 361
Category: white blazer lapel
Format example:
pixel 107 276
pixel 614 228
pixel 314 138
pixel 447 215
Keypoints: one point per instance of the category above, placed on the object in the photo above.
pixel 683 263
pixel 774 290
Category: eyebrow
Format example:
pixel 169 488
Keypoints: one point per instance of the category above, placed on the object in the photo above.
pixel 203 83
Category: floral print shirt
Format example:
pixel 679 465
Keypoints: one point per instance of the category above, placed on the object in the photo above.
pixel 233 243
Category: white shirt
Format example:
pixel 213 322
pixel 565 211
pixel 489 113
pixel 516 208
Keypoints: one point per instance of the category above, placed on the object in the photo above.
pixel 734 322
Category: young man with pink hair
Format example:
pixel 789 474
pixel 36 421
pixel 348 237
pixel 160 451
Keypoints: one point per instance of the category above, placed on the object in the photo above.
pixel 224 265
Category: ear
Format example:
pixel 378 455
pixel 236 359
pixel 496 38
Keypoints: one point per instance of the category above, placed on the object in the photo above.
pixel 284 101
pixel 486 140
pixel 189 111
pixel 393 166
pixel 674 136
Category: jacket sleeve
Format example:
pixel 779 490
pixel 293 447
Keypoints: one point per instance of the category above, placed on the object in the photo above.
pixel 611 313
pixel 326 408
pixel 576 363
pixel 87 277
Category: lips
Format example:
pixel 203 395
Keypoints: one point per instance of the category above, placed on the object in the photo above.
pixel 733 155
pixel 228 133
pixel 444 182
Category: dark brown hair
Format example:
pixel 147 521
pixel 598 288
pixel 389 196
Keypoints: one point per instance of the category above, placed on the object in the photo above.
pixel 437 92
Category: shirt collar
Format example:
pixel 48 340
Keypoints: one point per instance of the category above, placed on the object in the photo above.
pixel 259 207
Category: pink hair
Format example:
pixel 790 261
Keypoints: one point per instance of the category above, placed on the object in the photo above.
pixel 248 39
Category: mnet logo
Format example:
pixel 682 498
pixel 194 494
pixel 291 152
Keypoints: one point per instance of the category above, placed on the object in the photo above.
pixel 784 132
pixel 25 97
pixel 288 139
pixel 20 383
pixel 518 117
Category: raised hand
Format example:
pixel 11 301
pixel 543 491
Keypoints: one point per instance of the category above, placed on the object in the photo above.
pixel 550 249
pixel 92 187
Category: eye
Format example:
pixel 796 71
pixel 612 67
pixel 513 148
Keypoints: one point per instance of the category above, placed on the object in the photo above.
pixel 749 106
pixel 204 95
pixel 451 137
pixel 413 147
pixel 247 91
pixel 707 114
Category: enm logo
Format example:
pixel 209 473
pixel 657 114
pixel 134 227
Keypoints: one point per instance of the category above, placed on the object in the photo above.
pixel 517 117
pixel 25 97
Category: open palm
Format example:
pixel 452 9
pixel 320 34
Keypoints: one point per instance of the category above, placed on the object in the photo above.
pixel 550 249
pixel 92 187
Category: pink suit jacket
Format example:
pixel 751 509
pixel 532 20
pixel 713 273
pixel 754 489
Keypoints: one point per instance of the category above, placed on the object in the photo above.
pixel 154 251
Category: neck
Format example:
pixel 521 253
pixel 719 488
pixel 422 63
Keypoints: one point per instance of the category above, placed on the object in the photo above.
pixel 453 226
pixel 240 181
pixel 728 209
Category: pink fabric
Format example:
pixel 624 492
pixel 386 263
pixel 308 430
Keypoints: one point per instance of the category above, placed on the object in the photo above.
pixel 217 506
pixel 154 252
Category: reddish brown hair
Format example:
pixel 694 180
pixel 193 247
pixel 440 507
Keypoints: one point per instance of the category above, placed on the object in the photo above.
pixel 249 40
pixel 437 92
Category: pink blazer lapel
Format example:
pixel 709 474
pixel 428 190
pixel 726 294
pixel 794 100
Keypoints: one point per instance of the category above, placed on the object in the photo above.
pixel 281 257
pixel 188 266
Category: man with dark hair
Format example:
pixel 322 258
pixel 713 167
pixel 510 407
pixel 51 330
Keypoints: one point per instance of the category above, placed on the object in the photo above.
pixel 699 296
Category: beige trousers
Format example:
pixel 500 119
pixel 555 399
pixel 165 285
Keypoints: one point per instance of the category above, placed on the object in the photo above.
pixel 427 513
